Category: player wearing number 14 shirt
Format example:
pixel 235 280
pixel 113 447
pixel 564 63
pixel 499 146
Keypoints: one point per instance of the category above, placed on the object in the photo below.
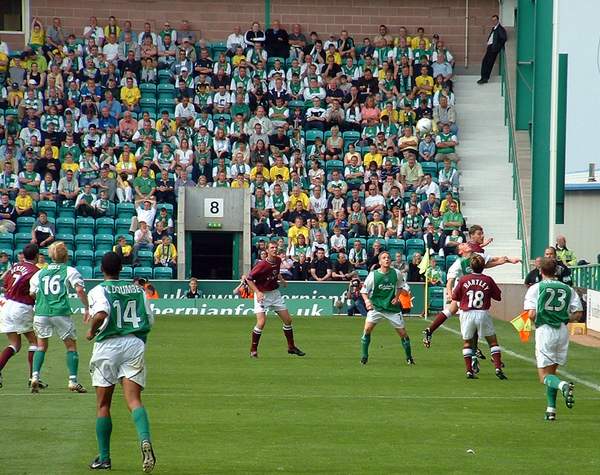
pixel 120 323
pixel 473 293
pixel 53 312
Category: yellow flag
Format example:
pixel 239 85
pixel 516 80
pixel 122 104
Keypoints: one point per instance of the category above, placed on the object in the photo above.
pixel 424 265
pixel 522 324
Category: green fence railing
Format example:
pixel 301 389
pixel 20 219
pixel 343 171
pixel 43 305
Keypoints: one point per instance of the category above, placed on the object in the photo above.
pixel 509 122
pixel 586 276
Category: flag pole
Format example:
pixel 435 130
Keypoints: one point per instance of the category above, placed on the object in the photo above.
pixel 426 304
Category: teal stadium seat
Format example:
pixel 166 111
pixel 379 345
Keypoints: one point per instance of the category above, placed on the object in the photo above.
pixel 145 258
pixel 105 225
pixel 163 273
pixel 125 210
pixel 145 272
pixel 66 238
pixel 371 241
pixel 24 224
pixel 104 242
pixel 126 272
pixel 7 241
pixel 415 245
pixel 49 207
pixel 98 272
pixel 363 241
pixel 84 257
pixel 66 212
pixel 21 240
pixel 98 255
pixel 394 246
pixel 87 272
pixel 84 225
pixel 450 260
pixel 122 226
pixel 84 242
pixel 65 225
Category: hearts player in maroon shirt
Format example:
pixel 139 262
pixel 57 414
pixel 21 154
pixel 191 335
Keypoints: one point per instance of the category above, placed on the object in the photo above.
pixel 264 280
pixel 16 318
pixel 474 293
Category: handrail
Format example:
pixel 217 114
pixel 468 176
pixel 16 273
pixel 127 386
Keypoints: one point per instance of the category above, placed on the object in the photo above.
pixel 586 276
pixel 509 122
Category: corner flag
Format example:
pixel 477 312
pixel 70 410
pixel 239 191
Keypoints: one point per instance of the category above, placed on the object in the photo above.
pixel 424 265
pixel 522 324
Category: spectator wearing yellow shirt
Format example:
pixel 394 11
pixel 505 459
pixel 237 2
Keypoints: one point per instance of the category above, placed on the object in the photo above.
pixel 124 250
pixel 415 40
pixel 240 182
pixel 259 169
pixel 165 254
pixel 279 168
pixel 37 37
pixel 445 204
pixel 69 165
pixel 48 146
pixel 373 155
pixel 296 230
pixel 298 196
pixel 24 203
pixel 424 82
pixel 130 96
pixel 126 163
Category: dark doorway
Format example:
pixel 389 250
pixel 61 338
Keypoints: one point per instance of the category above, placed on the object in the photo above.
pixel 212 255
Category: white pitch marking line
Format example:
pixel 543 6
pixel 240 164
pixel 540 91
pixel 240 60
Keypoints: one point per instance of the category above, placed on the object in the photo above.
pixel 566 374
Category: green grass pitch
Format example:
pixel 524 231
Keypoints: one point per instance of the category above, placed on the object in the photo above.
pixel 214 410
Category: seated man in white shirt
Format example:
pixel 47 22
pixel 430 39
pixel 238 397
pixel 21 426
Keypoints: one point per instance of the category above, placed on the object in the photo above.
pixel 428 186
pixel 146 212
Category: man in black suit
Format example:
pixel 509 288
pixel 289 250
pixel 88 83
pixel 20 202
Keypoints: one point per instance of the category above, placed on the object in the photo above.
pixel 495 43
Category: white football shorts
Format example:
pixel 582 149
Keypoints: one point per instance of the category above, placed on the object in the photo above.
pixel 45 326
pixel 551 345
pixel 116 358
pixel 476 320
pixel 16 317
pixel 395 319
pixel 273 301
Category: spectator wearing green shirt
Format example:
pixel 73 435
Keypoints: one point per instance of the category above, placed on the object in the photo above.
pixel 144 186
pixel 452 219
pixel 413 224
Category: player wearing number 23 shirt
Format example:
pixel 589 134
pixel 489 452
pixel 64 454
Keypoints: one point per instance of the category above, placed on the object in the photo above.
pixel 474 294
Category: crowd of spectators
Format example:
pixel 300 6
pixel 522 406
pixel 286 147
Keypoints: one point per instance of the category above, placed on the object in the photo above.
pixel 348 146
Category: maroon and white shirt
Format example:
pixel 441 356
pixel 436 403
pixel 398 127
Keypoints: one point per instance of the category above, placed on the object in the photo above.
pixel 475 292
pixel 17 280
pixel 265 274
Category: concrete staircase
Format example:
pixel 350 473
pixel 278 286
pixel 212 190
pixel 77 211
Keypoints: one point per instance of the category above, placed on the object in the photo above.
pixel 486 176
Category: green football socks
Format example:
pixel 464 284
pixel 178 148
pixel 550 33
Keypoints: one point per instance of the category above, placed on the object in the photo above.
pixel 103 431
pixel 552 381
pixel 142 425
pixel 38 361
pixel 365 341
pixel 406 346
pixel 72 365
pixel 551 394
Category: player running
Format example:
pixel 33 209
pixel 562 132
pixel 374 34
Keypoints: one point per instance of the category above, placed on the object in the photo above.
pixel 16 317
pixel 460 267
pixel 264 281
pixel 552 304
pixel 53 312
pixel 473 294
pixel 381 293
pixel 121 321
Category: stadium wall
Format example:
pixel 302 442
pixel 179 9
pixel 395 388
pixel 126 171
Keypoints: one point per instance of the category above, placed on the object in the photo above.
pixel 215 20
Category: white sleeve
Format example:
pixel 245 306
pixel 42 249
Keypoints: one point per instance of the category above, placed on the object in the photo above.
pixel 367 287
pixel 575 303
pixel 34 283
pixel 98 301
pixel 149 311
pixel 400 282
pixel 531 297
pixel 74 277
pixel 454 270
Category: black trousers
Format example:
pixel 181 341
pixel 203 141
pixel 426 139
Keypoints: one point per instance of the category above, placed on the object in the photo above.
pixel 487 64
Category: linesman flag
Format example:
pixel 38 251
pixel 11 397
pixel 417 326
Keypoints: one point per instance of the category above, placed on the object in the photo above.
pixel 424 265
pixel 522 324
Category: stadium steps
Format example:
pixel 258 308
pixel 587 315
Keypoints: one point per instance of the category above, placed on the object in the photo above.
pixel 486 176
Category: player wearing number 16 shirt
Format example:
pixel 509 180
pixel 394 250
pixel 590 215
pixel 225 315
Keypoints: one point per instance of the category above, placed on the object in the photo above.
pixel 552 304
pixel 121 319
pixel 473 293
pixel 264 279
pixel 53 312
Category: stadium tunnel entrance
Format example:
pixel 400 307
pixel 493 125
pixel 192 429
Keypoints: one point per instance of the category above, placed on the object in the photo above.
pixel 212 255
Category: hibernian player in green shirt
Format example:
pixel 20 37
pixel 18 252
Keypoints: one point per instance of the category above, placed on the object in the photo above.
pixel 121 319
pixel 52 312
pixel 551 305
pixel 381 293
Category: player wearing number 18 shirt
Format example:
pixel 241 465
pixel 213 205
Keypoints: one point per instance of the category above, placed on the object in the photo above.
pixel 120 323
pixel 473 294
pixel 53 312
pixel 264 279
pixel 552 304
pixel 16 317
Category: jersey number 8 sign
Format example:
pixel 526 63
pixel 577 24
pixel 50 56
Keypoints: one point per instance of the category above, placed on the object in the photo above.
pixel 213 207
